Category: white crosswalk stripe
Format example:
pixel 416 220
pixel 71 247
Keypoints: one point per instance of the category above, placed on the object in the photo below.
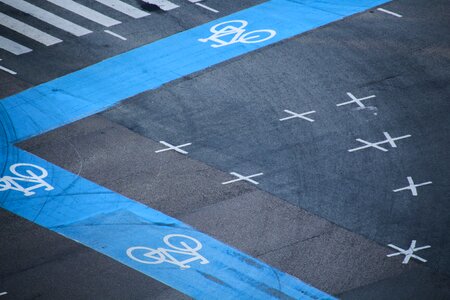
pixel 28 31
pixel 47 17
pixel 124 8
pixel 86 12
pixel 72 6
pixel 162 4
pixel 13 47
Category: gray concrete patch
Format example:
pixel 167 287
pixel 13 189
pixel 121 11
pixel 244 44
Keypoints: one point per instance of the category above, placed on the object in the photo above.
pixel 114 157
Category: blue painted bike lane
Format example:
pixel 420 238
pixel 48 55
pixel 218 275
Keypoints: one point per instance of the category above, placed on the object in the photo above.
pixel 129 232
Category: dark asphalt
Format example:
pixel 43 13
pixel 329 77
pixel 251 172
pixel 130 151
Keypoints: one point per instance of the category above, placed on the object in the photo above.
pixel 320 213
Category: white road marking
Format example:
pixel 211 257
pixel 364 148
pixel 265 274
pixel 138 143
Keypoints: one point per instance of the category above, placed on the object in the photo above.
pixel 356 100
pixel 408 253
pixel 3 293
pixel 116 35
pixel 235 32
pixel 162 4
pixel 47 17
pixel 412 186
pixel 172 147
pixel 28 31
pixel 86 12
pixel 389 140
pixel 26 173
pixel 240 177
pixel 207 7
pixel 296 115
pixel 152 256
pixel 13 47
pixel 124 8
pixel 389 12
pixel 8 70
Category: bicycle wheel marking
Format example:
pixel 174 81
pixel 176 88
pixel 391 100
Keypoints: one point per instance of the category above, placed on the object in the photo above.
pixel 237 34
pixel 28 176
pixel 72 205
pixel 168 255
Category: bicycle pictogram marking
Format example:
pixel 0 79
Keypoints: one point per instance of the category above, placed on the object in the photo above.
pixel 30 174
pixel 189 247
pixel 231 32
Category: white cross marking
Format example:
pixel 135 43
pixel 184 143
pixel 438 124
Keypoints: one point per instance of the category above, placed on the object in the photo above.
pixel 246 178
pixel 389 140
pixel 412 186
pixel 408 253
pixel 296 115
pixel 356 100
pixel 172 147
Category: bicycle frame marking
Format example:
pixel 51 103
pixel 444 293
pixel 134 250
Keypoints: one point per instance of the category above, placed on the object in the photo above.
pixel 13 183
pixel 238 34
pixel 162 255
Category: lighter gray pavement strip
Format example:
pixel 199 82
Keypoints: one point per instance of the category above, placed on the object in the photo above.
pixel 47 17
pixel 28 31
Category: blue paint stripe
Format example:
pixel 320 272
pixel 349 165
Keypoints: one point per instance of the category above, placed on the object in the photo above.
pixel 97 87
pixel 111 223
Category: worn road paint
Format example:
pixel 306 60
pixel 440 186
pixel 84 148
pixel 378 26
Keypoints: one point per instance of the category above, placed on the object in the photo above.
pixel 110 223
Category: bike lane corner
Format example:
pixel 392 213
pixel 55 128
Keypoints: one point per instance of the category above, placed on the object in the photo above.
pixel 109 223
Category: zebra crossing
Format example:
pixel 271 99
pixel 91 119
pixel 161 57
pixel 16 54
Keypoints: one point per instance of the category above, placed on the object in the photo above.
pixel 24 6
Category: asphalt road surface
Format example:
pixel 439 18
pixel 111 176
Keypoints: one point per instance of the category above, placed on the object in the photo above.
pixel 344 128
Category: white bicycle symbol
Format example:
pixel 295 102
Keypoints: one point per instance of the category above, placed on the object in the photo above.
pixel 236 29
pixel 151 256
pixel 31 174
